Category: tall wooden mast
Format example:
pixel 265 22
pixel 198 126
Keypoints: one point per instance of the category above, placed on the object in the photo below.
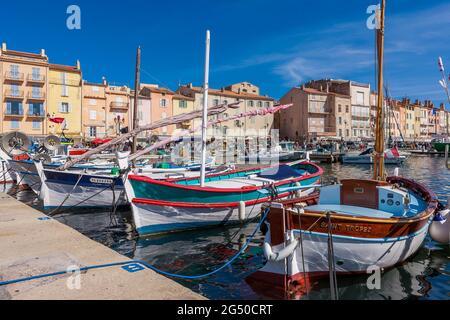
pixel 137 85
pixel 379 173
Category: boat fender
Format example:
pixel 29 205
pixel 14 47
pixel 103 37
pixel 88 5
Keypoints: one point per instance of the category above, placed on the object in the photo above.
pixel 298 193
pixel 242 209
pixel 440 227
pixel 280 255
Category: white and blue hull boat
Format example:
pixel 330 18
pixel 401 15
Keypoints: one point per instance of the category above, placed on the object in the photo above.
pixel 63 189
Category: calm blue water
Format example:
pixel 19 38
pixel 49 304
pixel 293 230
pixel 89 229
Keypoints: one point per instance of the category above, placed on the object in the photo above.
pixel 425 276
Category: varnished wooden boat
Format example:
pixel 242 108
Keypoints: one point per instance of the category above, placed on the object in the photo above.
pixel 373 224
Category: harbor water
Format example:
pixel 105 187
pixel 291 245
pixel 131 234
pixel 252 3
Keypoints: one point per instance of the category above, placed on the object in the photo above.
pixel 424 276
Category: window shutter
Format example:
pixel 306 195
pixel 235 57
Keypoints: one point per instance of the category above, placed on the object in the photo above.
pixel 69 108
pixel 8 108
pixel 20 108
pixel 41 109
pixel 30 109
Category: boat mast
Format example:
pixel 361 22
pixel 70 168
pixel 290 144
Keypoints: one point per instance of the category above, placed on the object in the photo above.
pixel 379 173
pixel 205 109
pixel 137 85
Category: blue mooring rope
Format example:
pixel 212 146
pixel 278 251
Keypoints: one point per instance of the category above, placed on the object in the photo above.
pixel 148 266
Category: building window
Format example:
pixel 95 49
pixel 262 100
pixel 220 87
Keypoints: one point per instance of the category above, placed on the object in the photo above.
pixel 225 102
pixel 93 115
pixel 163 103
pixel 347 109
pixel 14 71
pixel 340 120
pixel 64 107
pixel 347 132
pixel 92 102
pixel 36 125
pixel 14 108
pixel 36 73
pixel 340 132
pixel 64 91
pixel 36 92
pixel 63 78
pixel 14 124
pixel 339 108
pixel 15 92
pixel 215 102
pixel 360 98
pixel 95 89
pixel 92 132
pixel 267 104
pixel 183 104
pixel 36 109
pixel 250 103
pixel 260 104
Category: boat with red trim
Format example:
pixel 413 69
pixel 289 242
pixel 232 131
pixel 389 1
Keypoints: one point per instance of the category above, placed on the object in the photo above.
pixel 372 224
pixel 182 204
pixel 357 226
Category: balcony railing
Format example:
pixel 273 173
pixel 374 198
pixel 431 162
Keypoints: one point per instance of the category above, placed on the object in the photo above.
pixel 14 76
pixel 14 113
pixel 36 78
pixel 36 95
pixel 119 105
pixel 35 114
pixel 14 94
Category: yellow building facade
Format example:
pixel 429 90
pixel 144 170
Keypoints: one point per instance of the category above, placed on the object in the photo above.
pixel 65 100
pixel 182 104
pixel 23 92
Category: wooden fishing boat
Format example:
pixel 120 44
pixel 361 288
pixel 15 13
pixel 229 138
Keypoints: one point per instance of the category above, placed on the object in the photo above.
pixel 62 189
pixel 180 204
pixel 372 224
pixel 357 226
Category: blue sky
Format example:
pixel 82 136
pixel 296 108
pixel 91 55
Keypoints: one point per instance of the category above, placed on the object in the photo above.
pixel 274 44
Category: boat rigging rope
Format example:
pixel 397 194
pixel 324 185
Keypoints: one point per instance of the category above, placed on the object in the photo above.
pixel 331 261
pixel 53 212
pixel 148 266
pixel 300 210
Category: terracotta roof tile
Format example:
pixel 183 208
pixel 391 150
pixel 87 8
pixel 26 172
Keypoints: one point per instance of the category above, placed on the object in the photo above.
pixel 229 93
pixel 61 67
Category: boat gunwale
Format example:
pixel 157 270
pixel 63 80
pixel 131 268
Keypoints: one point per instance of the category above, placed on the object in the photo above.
pixel 162 203
pixel 171 182
pixel 428 195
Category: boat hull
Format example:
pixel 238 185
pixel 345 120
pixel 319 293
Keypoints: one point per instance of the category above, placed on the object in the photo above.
pixel 161 206
pixel 66 189
pixel 370 160
pixel 440 146
pixel 26 174
pixel 153 219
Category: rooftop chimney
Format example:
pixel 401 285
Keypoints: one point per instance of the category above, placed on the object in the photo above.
pixel 78 65
pixel 43 52
pixel 104 81
pixel 4 46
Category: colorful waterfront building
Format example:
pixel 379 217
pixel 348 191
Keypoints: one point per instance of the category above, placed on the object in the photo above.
pixel 118 115
pixel 248 98
pixel 23 91
pixel 144 114
pixel 94 110
pixel 181 105
pixel 65 100
pixel 312 115
pixel 410 121
pixel 161 106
